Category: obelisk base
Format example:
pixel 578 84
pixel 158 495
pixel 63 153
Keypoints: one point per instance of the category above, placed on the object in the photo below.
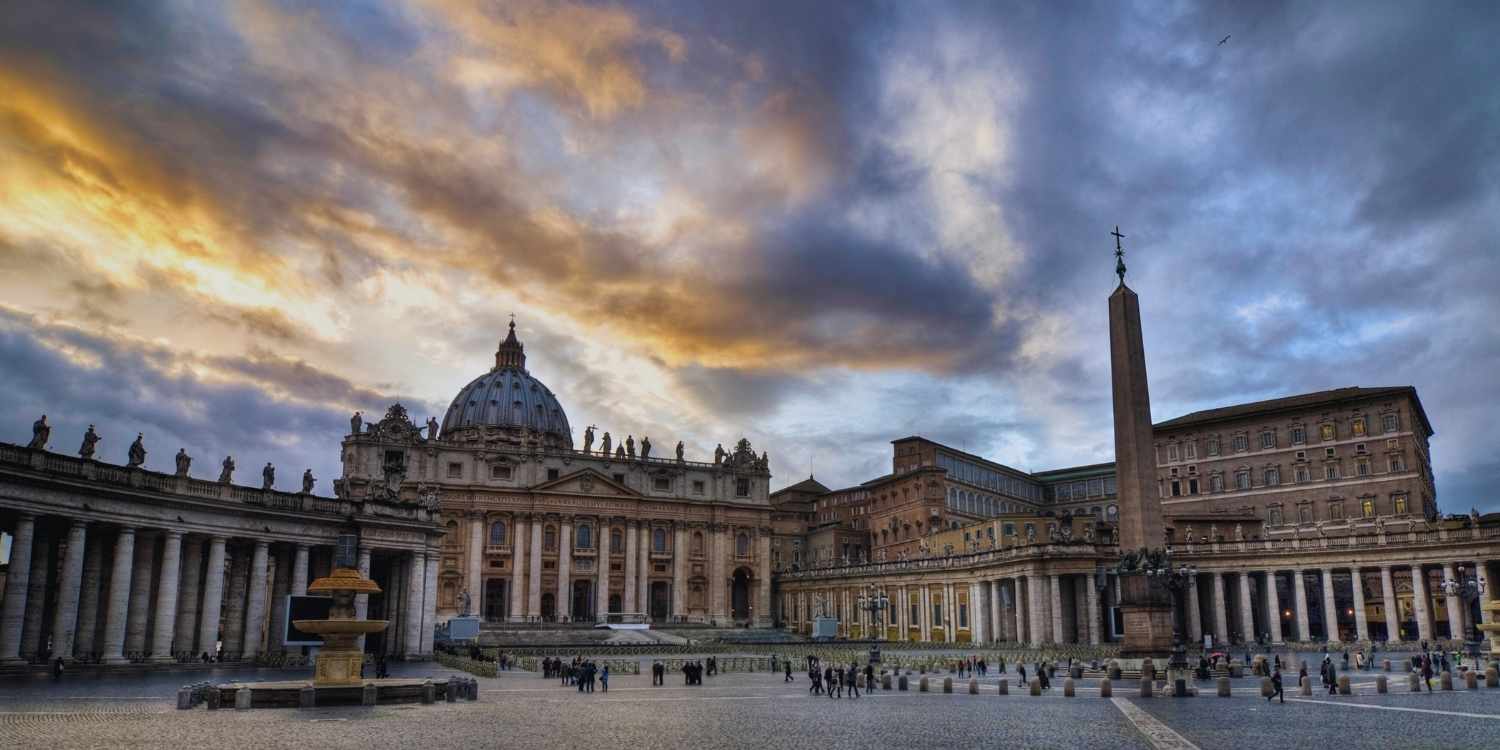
pixel 1147 615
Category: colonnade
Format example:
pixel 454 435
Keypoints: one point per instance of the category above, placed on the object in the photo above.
pixel 118 593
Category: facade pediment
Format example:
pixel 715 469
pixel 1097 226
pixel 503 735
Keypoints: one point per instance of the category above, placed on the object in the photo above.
pixel 586 482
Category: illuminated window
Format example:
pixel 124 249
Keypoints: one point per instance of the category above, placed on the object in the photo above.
pixel 1398 504
pixel 1326 431
pixel 1367 507
pixel 1357 426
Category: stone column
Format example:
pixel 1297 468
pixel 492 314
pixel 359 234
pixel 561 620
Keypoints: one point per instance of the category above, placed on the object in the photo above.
pixel 140 595
pixel 396 595
pixel 950 613
pixel 679 575
pixel 474 578
pixel 70 584
pixel 565 570
pixel 255 604
pixel 187 597
pixel 1388 598
pixel 517 568
pixel 361 601
pixel 18 581
pixel 1194 618
pixel 85 642
pixel 1361 626
pixel 119 597
pixel 429 605
pixel 1022 610
pixel 213 597
pixel 1091 594
pixel 1420 602
pixel 1454 605
pixel 925 597
pixel 534 594
pixel 36 594
pixel 1247 611
pixel 166 598
pixel 299 571
pixel 1036 606
pixel 1273 607
pixel 416 574
pixel 978 611
pixel 1330 609
pixel 632 570
pixel 716 574
pixel 1054 592
pixel 1299 587
pixel 643 570
pixel 281 589
pixel 601 589
pixel 763 580
pixel 1220 622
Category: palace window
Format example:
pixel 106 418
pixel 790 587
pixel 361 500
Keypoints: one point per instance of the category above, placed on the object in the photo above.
pixel 1390 423
pixel 1189 450
pixel 963 615
pixel 1357 426
pixel 1274 516
pixel 1329 453
pixel 742 545
pixel 614 542
pixel 549 539
pixel 1367 507
pixel 1303 475
pixel 1273 476
pixel 497 533
pixel 455 470
pixel 619 478
pixel 1331 471
pixel 1362 467
pixel 662 484
pixel 585 537
pixel 697 486
pixel 1192 486
pixel 1395 464
pixel 1304 513
pixel 1398 504
pixel 1241 443
pixel 1172 452
pixel 659 540
pixel 1299 436
pixel 1336 511
pixel 1242 480
pixel 1326 431
pixel 937 613
pixel 1267 440
pixel 1176 489
pixel 1213 445
pixel 499 471
pixel 1216 483
pixel 552 474
pixel 741 487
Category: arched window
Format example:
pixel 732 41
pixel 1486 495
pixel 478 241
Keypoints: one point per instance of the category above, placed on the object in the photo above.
pixel 697 543
pixel 549 539
pixel 742 545
pixel 585 536
pixel 659 540
pixel 614 541
pixel 497 533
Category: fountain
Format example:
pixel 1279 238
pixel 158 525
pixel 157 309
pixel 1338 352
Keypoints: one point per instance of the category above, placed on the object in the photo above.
pixel 340 659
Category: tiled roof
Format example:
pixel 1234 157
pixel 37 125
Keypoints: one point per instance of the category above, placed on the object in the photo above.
pixel 1292 403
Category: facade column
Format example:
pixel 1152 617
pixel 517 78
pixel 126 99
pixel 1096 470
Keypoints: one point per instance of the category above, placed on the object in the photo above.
pixel 1221 611
pixel 166 598
pixel 1091 593
pixel 187 597
pixel 85 643
pixel 1420 602
pixel 234 605
pixel 601 568
pixel 395 612
pixel 416 572
pixel 17 583
pixel 1361 626
pixel 534 594
pixel 1388 598
pixel 1455 607
pixel 1054 592
pixel 925 597
pixel 763 579
pixel 139 615
pixel 1019 612
pixel 255 606
pixel 36 594
pixel 1194 616
pixel 716 573
pixel 1299 587
pixel 679 574
pixel 213 597
pixel 361 601
pixel 1273 608
pixel 632 571
pixel 565 570
pixel 299 572
pixel 1247 611
pixel 517 609
pixel 70 584
pixel 643 570
pixel 119 597
pixel 281 588
pixel 950 613
pixel 474 579
pixel 429 605
pixel 1034 607
pixel 1330 609
pixel 978 612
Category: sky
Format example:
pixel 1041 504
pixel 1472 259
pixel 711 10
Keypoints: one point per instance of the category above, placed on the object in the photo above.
pixel 820 226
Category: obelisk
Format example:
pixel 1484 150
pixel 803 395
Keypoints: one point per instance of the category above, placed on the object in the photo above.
pixel 1146 608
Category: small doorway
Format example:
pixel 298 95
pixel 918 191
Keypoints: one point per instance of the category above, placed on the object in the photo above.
pixel 494 607
pixel 661 601
pixel 740 594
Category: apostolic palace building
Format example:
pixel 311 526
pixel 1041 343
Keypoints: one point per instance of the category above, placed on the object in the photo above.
pixel 1310 517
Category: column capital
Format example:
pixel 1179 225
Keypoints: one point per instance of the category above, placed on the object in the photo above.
pixel 179 533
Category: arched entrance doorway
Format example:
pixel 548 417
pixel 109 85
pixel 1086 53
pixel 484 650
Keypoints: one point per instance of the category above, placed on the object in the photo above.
pixel 661 601
pixel 495 599
pixel 740 594
pixel 549 606
pixel 583 601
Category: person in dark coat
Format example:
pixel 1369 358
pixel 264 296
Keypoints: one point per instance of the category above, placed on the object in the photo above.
pixel 1276 691
pixel 788 666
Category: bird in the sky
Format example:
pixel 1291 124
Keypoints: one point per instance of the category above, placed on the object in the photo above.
pixel 1225 39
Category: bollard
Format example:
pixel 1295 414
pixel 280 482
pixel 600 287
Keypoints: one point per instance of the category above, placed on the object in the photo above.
pixel 922 684
pixel 901 683
pixel 473 689
pixel 885 682
pixel 1446 680
pixel 1146 687
pixel 1259 666
pixel 1148 669
pixel 1471 680
pixel 947 684
pixel 242 699
pixel 1223 685
pixel 1114 671
pixel 1036 686
pixel 1414 683
pixel 1068 688
pixel 1304 686
pixel 307 698
pixel 1004 686
pixel 1265 687
pixel 1344 688
pixel 1492 677
pixel 429 692
pixel 213 699
pixel 1076 672
pixel 451 694
pixel 1406 665
pixel 367 695
pixel 1106 688
pixel 1387 664
pixel 973 686
pixel 184 698
pixel 1381 686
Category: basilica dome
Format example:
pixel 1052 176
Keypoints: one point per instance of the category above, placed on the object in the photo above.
pixel 509 398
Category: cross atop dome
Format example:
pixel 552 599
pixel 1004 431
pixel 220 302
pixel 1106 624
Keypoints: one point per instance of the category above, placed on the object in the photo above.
pixel 511 353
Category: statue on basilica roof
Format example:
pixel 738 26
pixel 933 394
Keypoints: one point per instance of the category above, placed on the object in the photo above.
pixel 184 462
pixel 267 476
pixel 604 445
pixel 588 439
pixel 356 423
pixel 432 428
pixel 137 453
pixel 719 454
pixel 40 432
pixel 227 473
pixel 620 452
pixel 90 441
pixel 679 451
pixel 630 446
pixel 307 482
pixel 645 447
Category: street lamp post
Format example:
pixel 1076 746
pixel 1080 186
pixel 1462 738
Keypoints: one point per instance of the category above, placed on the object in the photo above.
pixel 875 603
pixel 1176 580
pixel 1466 589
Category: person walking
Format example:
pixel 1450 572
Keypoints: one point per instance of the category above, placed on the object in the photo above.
pixel 1276 691
pixel 816 677
pixel 1427 672
pixel 1333 679
pixel 604 679
pixel 788 665
pixel 851 676
pixel 869 677
pixel 1021 671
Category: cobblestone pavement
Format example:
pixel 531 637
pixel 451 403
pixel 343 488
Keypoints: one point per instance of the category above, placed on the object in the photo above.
pixel 522 710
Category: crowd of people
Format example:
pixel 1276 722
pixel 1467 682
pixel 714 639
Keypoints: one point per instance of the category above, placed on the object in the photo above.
pixel 580 672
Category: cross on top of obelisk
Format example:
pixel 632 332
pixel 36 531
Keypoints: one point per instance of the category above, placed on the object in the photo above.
pixel 1119 254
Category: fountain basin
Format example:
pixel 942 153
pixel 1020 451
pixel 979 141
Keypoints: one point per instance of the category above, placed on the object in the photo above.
pixel 340 627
